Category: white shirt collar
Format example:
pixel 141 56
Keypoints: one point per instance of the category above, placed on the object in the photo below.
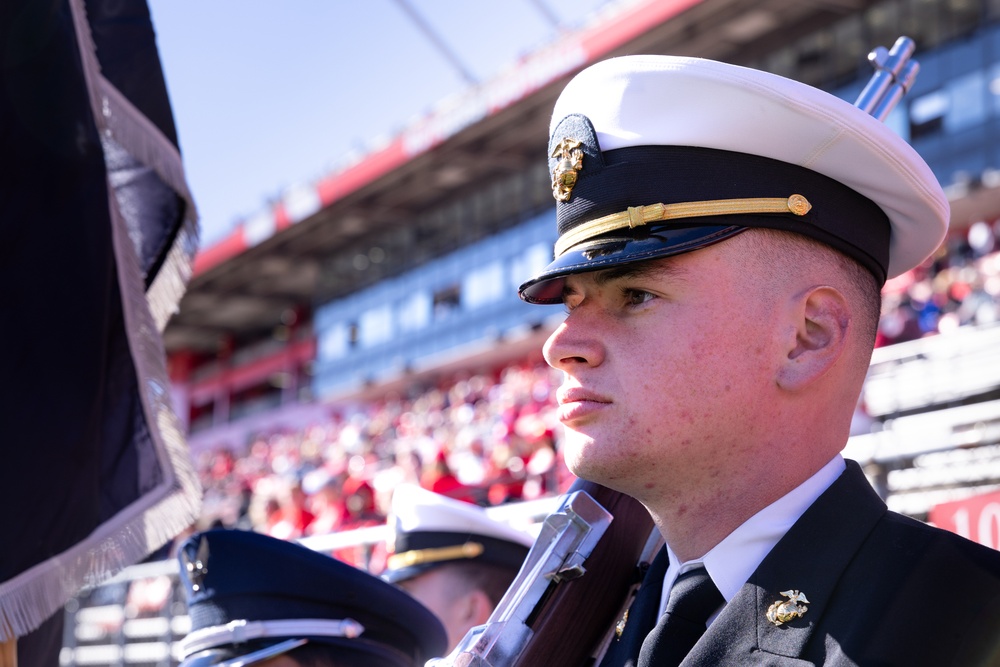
pixel 731 562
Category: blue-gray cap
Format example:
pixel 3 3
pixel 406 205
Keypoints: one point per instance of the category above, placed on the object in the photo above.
pixel 251 597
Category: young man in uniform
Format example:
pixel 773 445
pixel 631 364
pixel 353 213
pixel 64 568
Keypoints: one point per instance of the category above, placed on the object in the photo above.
pixel 723 237
pixel 452 557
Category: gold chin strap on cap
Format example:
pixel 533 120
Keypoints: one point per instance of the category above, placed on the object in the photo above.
pixel 436 555
pixel 637 216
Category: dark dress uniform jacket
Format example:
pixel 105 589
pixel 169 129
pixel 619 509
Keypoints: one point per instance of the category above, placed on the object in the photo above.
pixel 883 590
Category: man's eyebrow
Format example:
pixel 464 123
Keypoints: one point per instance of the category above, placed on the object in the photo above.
pixel 648 269
pixel 657 268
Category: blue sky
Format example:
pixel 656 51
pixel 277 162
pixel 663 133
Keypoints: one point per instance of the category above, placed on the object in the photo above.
pixel 268 94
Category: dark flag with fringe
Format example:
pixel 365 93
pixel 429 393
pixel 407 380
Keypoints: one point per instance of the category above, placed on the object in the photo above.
pixel 97 234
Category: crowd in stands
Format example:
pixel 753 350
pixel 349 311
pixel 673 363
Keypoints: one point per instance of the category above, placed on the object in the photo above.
pixel 488 439
pixel 492 438
pixel 957 287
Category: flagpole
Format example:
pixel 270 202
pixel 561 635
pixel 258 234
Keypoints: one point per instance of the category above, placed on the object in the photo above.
pixel 8 653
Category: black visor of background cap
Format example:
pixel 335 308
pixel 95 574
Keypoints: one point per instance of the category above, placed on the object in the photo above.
pixel 653 156
pixel 430 530
pixel 251 597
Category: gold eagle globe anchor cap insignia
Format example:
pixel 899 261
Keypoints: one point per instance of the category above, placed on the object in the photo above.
pixel 783 611
pixel 569 158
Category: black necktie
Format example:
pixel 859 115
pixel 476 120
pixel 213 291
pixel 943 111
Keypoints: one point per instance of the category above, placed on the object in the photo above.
pixel 693 598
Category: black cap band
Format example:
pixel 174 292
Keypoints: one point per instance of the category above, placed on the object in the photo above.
pixel 643 175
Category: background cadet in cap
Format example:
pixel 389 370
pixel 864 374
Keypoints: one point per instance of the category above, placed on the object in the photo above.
pixel 258 600
pixel 452 557
pixel 723 237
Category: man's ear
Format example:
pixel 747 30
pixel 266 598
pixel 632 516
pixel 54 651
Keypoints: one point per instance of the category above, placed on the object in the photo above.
pixel 821 318
pixel 479 607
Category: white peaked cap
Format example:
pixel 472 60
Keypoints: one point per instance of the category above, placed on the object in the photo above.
pixel 415 509
pixel 430 530
pixel 645 101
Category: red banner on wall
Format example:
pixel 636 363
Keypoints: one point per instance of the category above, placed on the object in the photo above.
pixel 977 518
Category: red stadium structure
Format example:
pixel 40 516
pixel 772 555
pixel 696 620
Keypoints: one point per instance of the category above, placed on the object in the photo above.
pixel 243 348
pixel 389 284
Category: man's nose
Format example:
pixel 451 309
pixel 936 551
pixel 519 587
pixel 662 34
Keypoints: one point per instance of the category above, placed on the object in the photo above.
pixel 574 343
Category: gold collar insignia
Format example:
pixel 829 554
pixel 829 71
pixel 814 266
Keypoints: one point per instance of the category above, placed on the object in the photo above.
pixel 784 611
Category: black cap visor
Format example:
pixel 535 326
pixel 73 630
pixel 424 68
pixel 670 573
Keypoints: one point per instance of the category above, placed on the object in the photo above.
pixel 616 250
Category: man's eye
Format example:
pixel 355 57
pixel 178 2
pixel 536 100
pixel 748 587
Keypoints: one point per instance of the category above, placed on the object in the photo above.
pixel 635 297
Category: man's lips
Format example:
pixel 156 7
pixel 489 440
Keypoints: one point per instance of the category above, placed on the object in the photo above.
pixel 577 404
pixel 567 395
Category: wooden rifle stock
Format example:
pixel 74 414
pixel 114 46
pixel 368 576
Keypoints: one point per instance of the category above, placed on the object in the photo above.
pixel 576 581
pixel 579 613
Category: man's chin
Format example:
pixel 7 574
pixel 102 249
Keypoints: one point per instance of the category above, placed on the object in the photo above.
pixel 583 456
